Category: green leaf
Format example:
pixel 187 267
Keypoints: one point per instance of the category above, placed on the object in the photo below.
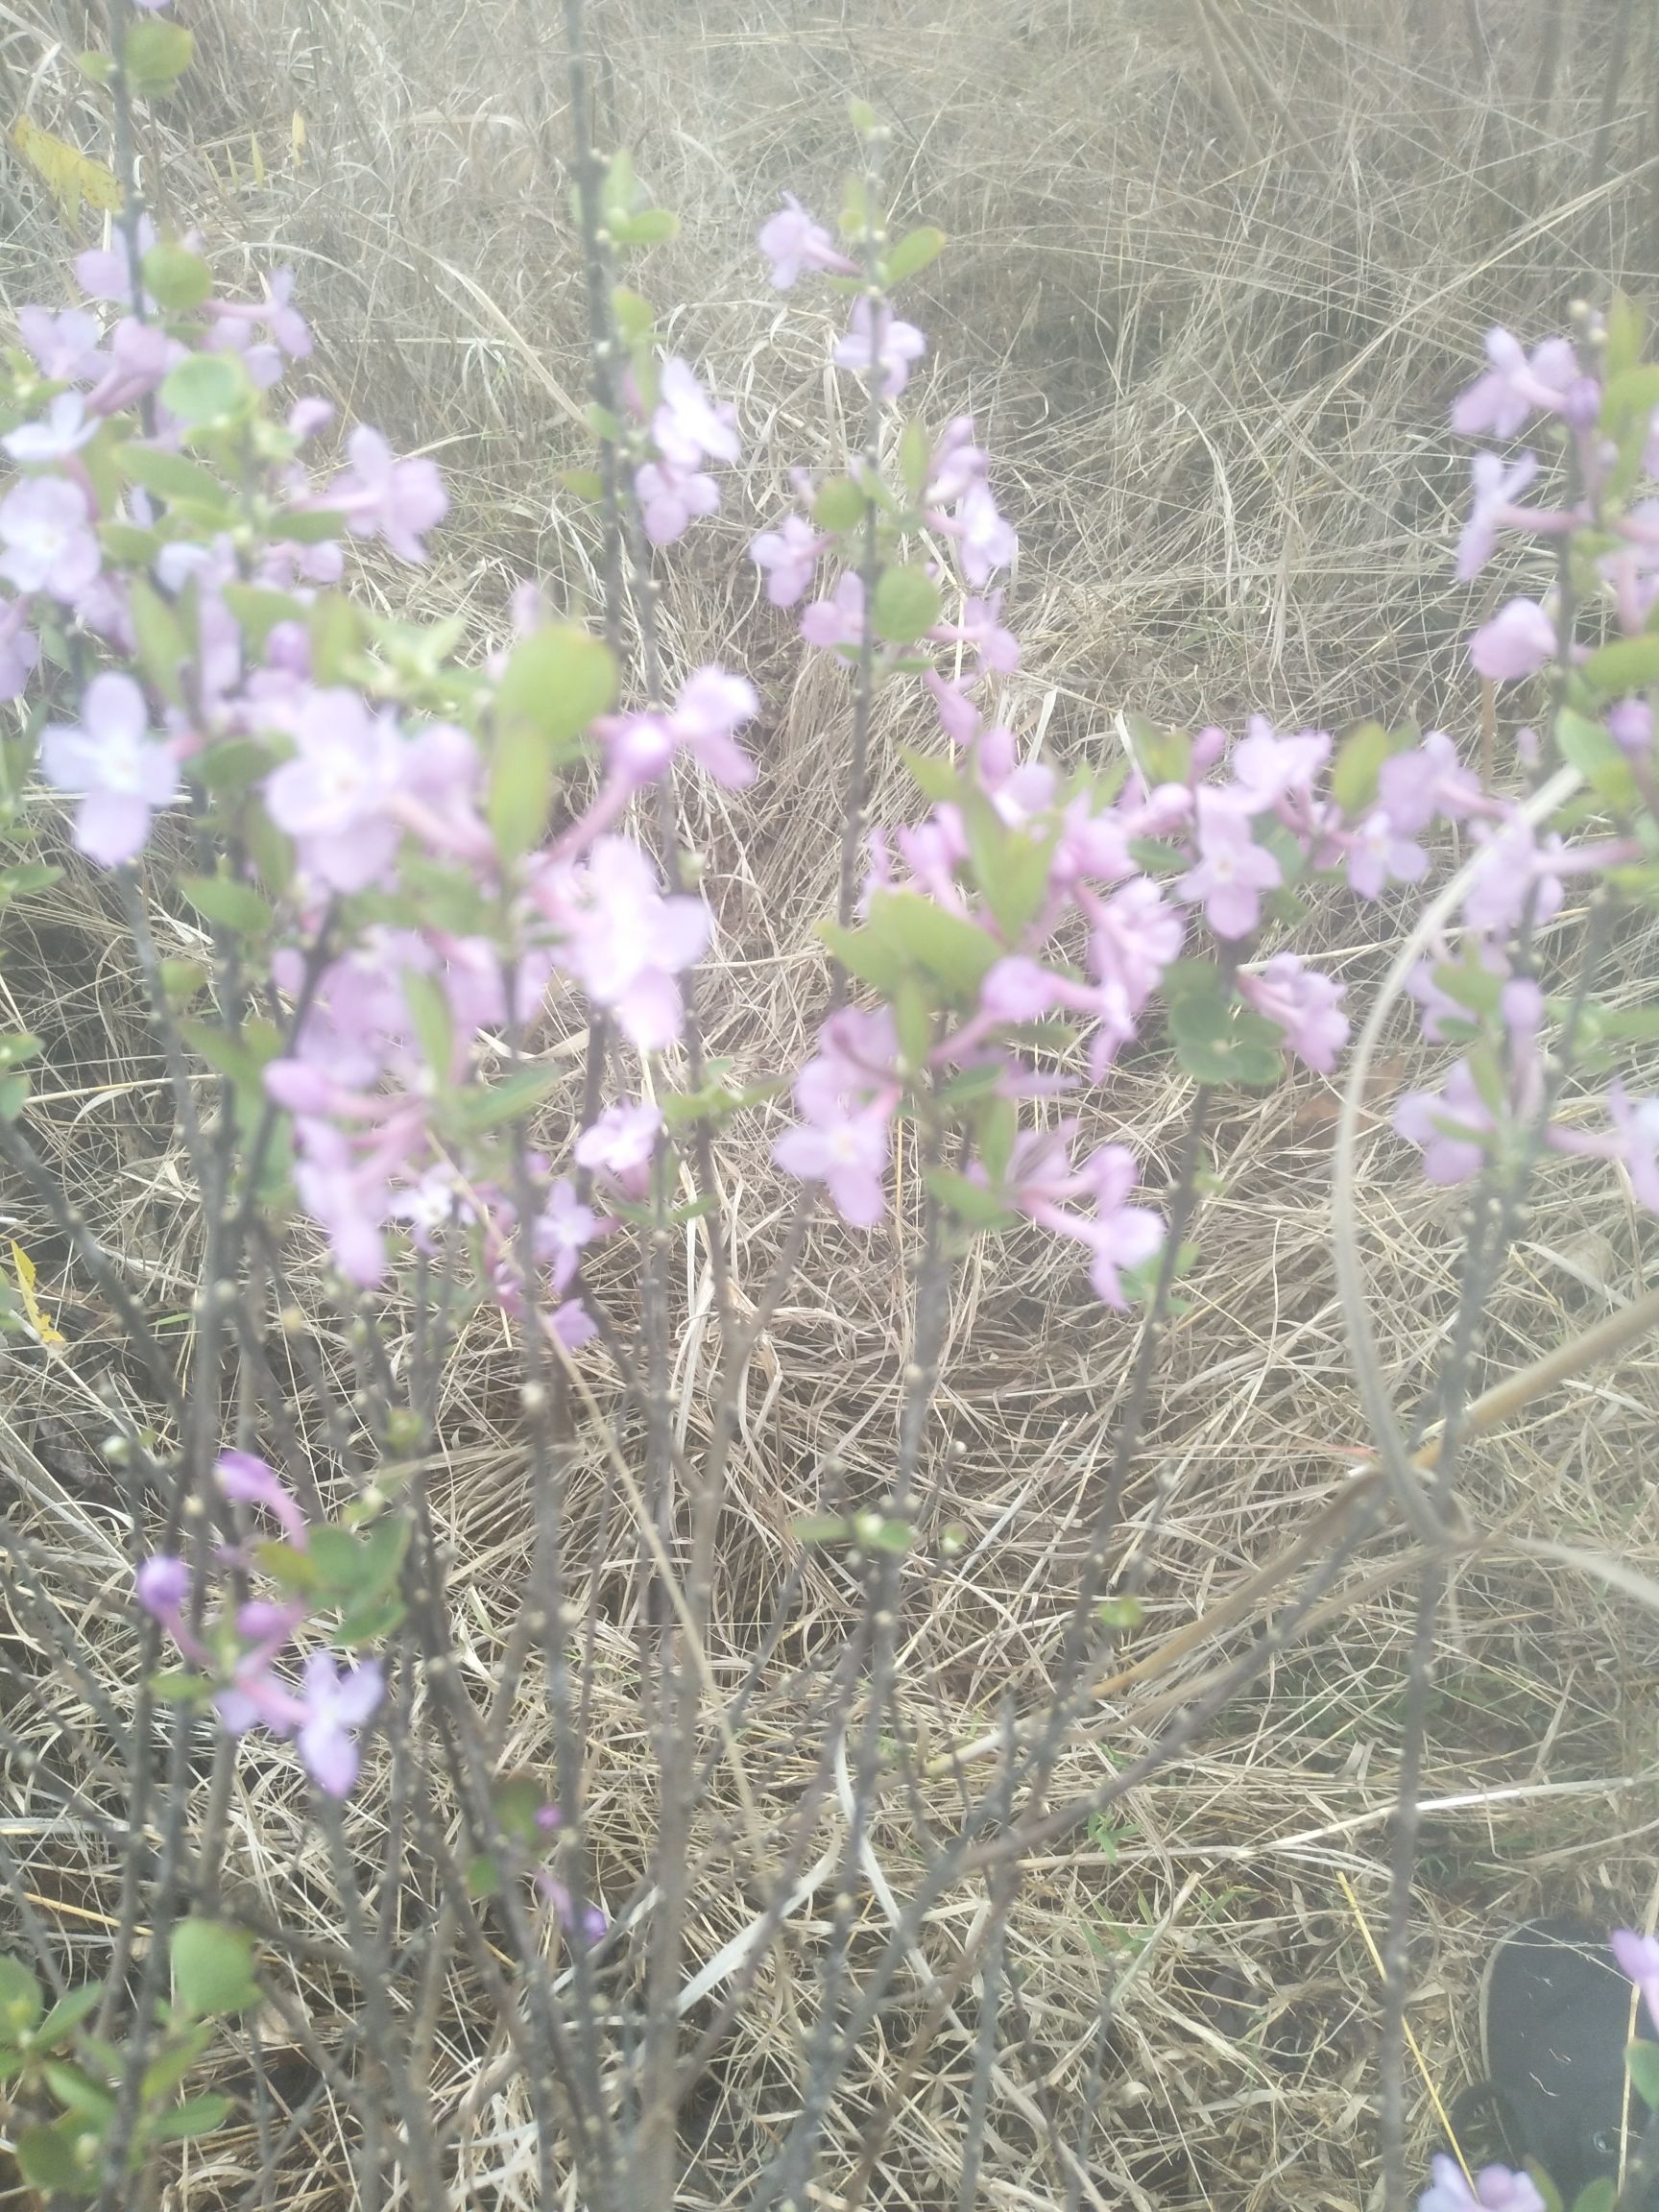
pixel 650 226
pixel 129 544
pixel 177 1686
pixel 1592 750
pixel 61 2158
pixel 974 1205
pixel 1599 2197
pixel 876 1534
pixel 68 2014
pixel 18 1048
pixel 483 1876
pixel 863 954
pixel 336 630
pixel 163 651
pixel 939 780
pixel 619 188
pixel 1162 756
pixel 1011 866
pixel 1217 1040
pixel 367 1620
pixel 157 54
pixel 174 478
pixel 13 1096
pixel 234 905
pixel 479 1109
pixel 312 526
pixel 258 610
pixel 207 389
pixel 1642 2064
pixel 25 877
pixel 862 116
pixel 89 2100
pixel 1624 334
pixel 433 1023
pixel 1629 397
pixel 552 687
pixel 915 457
pixel 1120 1611
pixel 1359 763
pixel 178 279
pixel 195 2116
pixel 20 2001
pixel 180 2051
pixel 813 1529
pixel 924 935
pixel 636 318
pixel 212 1967
pixel 838 505
pixel 907 603
pixel 581 483
pixel 1627 664
pixel 913 253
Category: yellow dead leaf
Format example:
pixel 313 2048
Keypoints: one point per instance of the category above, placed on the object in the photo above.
pixel 257 158
pixel 32 1311
pixel 73 179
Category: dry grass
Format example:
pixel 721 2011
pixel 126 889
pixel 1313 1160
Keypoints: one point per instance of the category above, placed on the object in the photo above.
pixel 1208 301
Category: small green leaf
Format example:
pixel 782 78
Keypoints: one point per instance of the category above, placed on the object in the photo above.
pixel 195 2116
pixel 61 2158
pixel 20 2001
pixel 1162 756
pixel 636 318
pixel 68 2014
pixel 814 1528
pixel 650 226
pixel 483 1876
pixel 863 954
pixel 174 478
pixel 907 603
pixel 26 877
pixel 1599 2197
pixel 1642 2064
pixel 838 505
pixel 1215 1039
pixel 1624 334
pixel 163 651
pixel 862 116
pixel 258 610
pixel 913 253
pixel 924 935
pixel 13 1096
pixel 1626 664
pixel 553 686
pixel 18 1048
pixel 1359 763
pixel 207 389
pixel 1629 397
pixel 915 458
pixel 1594 753
pixel 178 279
pixel 581 483
pixel 89 2100
pixel 212 1967
pixel 157 56
pixel 180 2051
pixel 480 1109
pixel 223 900
pixel 974 1205
pixel 1120 1611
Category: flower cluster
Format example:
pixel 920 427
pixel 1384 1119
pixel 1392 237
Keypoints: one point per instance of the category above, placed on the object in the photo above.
pixel 238 1649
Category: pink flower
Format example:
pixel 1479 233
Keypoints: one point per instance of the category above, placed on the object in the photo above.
pixel 879 347
pixel 349 1196
pixel 1233 870
pixel 687 428
pixel 19 649
pixel 620 1146
pixel 791 241
pixel 1515 870
pixel 982 630
pixel 290 333
pixel 1496 2189
pixel 382 496
pixel 122 773
pixel 1638 1958
pixel 334 797
pixel 1118 1235
pixel 1016 989
pixel 711 706
pixel 1636 1124
pixel 846 1151
pixel 334 1707
pixel 249 1481
pixel 1515 387
pixel 1136 935
pixel 1631 726
pixel 64 348
pixel 564 1229
pixel 984 540
pixel 1304 1004
pixel 64 431
pixel 1418 787
pixel 957 464
pixel 1449 1127
pixel 856 1058
pixel 106 273
pixel 787 558
pixel 837 623
pixel 1268 769
pixel 44 526
pixel 670 498
pixel 1377 855
pixel 621 940
pixel 1497 485
pixel 1518 642
pixel 162 1583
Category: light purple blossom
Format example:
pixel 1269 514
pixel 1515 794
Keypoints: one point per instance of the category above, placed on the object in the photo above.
pixel 687 426
pixel 106 272
pixel 878 346
pixel 1636 1128
pixel 334 797
pixel 982 630
pixel 121 773
pixel 1631 726
pixel 1449 1127
pixel 45 528
pixel 622 940
pixel 985 541
pixel 837 623
pixel 1638 1958
pixel 620 1146
pixel 1497 485
pixel 564 1229
pixel 162 1583
pixel 671 499
pixel 846 1150
pixel 1233 870
pixel 1377 855
pixel 1515 387
pixel 1268 769
pixel 241 1475
pixel 1305 1004
pixel 1418 787
pixel 19 649
pixel 383 496
pixel 1518 642
pixel 711 706
pixel 1496 2189
pixel 335 1706
pixel 787 557
pixel 64 431
pixel 1136 934
pixel 791 241
pixel 1117 1235
pixel 64 347
pixel 1515 870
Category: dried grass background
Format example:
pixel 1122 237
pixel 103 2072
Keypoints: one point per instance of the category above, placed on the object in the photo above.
pixel 1215 268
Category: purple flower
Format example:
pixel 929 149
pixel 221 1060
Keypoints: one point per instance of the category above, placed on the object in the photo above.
pixel 1304 1004
pixel 1631 726
pixel 1496 2189
pixel 1135 936
pixel 381 495
pixel 984 540
pixel 1518 642
pixel 791 241
pixel 121 773
pixel 1233 870
pixel 1636 1126
pixel 787 558
pixel 334 797
pixel 1118 1235
pixel 106 273
pixel 19 649
pixel 879 347
pixel 1497 485
pixel 563 1229
pixel 64 431
pixel 349 1196
pixel 1515 387
pixel 837 623
pixel 982 630
pixel 64 348
pixel 162 1583
pixel 44 526
pixel 1515 870
pixel 846 1150
pixel 958 463
pixel 687 428
pixel 711 706
pixel 621 940
pixel 671 499
pixel 1417 787
pixel 252 1482
pixel 335 1706
pixel 1638 1958
pixel 620 1145
pixel 1377 854
pixel 1268 769
pixel 1449 1127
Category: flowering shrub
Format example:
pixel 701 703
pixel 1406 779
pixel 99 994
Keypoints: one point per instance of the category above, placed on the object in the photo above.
pixel 412 863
